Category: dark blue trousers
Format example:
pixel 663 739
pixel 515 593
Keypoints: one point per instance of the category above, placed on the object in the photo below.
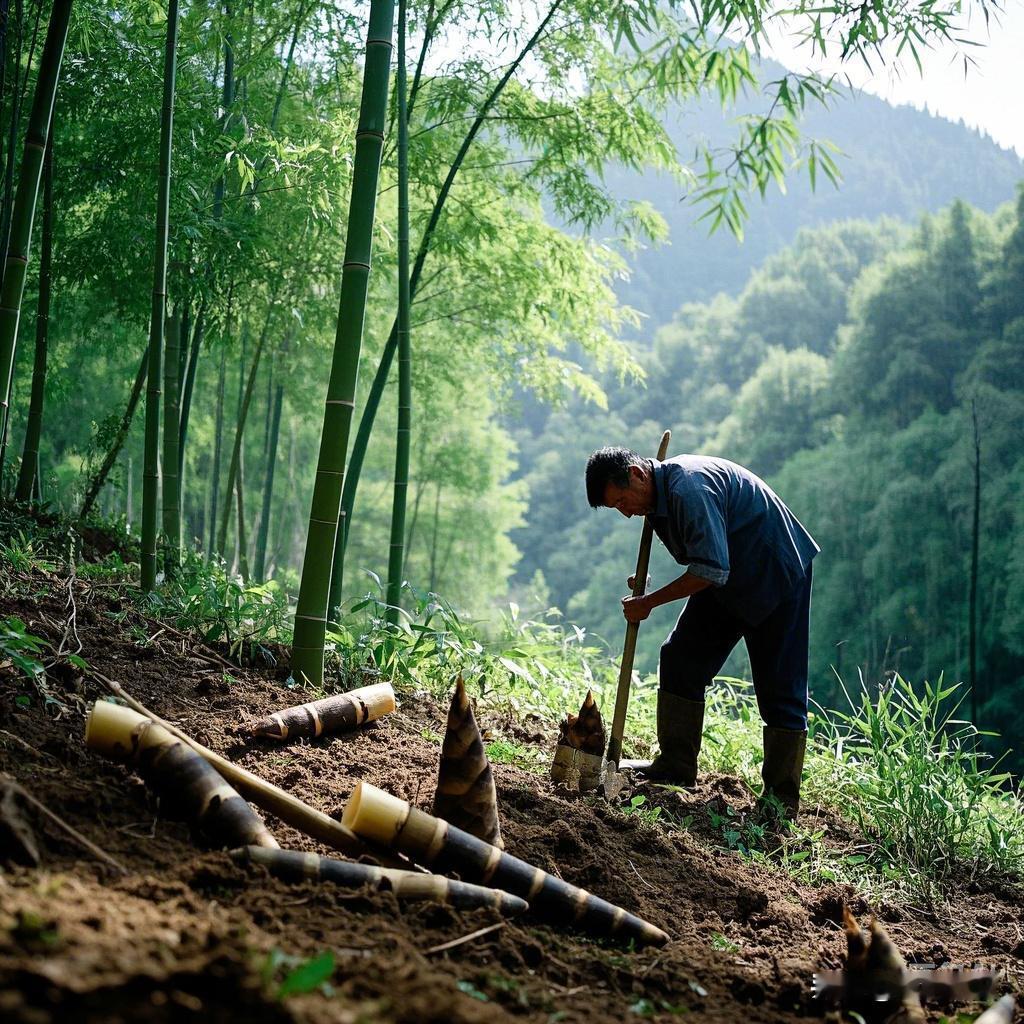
pixel 706 633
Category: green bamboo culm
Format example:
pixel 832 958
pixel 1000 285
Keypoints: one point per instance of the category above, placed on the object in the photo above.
pixel 396 557
pixel 311 608
pixel 151 465
pixel 28 475
pixel 171 491
pixel 362 439
pixel 16 265
pixel 273 437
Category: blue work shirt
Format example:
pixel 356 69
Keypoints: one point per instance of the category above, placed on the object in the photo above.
pixel 730 528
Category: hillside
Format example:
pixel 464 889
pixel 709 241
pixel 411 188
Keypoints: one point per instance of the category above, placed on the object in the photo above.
pixel 896 161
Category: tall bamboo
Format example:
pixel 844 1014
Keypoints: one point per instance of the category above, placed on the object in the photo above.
pixel 100 478
pixel 189 383
pixel 396 558
pixel 23 211
pixel 170 492
pixel 311 609
pixel 366 421
pixel 260 560
pixel 218 444
pixel 29 472
pixel 151 469
pixel 245 401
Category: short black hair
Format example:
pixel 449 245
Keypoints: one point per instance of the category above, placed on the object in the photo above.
pixel 609 466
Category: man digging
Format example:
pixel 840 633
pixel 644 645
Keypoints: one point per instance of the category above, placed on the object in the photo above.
pixel 748 574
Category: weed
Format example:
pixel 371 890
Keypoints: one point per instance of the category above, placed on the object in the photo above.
pixel 722 944
pixel 518 754
pixel 301 976
pixel 638 808
pixel 19 648
pixel 915 780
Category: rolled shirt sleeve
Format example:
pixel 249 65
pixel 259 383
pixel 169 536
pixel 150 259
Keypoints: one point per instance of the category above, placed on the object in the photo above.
pixel 703 530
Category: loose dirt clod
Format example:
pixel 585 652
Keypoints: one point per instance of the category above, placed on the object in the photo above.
pixel 332 714
pixel 17 840
pixel 465 795
pixel 292 866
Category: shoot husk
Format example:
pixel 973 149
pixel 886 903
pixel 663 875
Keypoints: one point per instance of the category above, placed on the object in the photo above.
pixel 329 715
pixel 439 846
pixel 465 794
pixel 293 866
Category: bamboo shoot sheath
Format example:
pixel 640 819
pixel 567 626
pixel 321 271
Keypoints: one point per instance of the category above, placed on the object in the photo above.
pixel 292 866
pixel 432 842
pixel 187 785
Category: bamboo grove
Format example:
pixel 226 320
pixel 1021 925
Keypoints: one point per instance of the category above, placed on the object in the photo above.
pixel 324 193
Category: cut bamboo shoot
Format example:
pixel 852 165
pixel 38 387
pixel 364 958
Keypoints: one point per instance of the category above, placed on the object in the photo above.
pixel 189 786
pixel 579 756
pixel 269 797
pixel 292 866
pixel 332 714
pixel 445 849
pixel 465 795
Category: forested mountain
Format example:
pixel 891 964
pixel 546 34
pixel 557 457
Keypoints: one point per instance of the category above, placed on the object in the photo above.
pixel 861 371
pixel 895 161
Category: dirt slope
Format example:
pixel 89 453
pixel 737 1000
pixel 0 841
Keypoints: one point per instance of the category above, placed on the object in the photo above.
pixel 187 935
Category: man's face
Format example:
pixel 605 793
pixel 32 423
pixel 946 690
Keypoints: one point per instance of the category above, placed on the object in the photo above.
pixel 635 500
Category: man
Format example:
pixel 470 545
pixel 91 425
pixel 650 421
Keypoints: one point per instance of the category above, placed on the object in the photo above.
pixel 748 574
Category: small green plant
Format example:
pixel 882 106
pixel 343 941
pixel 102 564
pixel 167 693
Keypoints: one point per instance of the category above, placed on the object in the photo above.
pixel 638 808
pixel 518 754
pixel 300 976
pixel 19 648
pixel 722 944
pixel 205 598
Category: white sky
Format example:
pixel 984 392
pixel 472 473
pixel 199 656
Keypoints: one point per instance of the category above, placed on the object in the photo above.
pixel 989 97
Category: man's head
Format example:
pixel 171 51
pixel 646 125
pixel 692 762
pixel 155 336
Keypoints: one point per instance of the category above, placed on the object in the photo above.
pixel 619 478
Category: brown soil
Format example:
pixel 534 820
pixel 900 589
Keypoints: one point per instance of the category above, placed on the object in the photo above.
pixel 188 935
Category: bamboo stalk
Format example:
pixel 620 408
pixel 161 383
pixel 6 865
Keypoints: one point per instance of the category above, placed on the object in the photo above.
pixel 185 781
pixel 381 818
pixel 265 795
pixel 366 421
pixel 292 866
pixel 171 495
pixel 97 482
pixel 262 535
pixel 24 208
pixel 28 474
pixel 396 557
pixel 312 605
pixel 151 470
pixel 322 717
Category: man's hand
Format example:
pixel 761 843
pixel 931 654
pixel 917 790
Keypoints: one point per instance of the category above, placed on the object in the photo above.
pixel 631 582
pixel 636 609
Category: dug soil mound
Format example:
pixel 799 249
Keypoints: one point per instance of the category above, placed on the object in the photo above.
pixel 186 934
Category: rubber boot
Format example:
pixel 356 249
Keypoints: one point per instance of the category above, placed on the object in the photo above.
pixel 783 766
pixel 680 728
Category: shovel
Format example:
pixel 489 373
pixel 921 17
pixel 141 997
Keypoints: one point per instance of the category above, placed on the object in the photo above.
pixel 614 780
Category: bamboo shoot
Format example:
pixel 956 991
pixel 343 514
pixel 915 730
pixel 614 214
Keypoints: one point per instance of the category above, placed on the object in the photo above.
pixel 465 795
pixel 320 717
pixel 185 782
pixel 381 818
pixel 579 756
pixel 291 866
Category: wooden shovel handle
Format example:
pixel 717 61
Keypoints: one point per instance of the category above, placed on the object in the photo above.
pixel 643 559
